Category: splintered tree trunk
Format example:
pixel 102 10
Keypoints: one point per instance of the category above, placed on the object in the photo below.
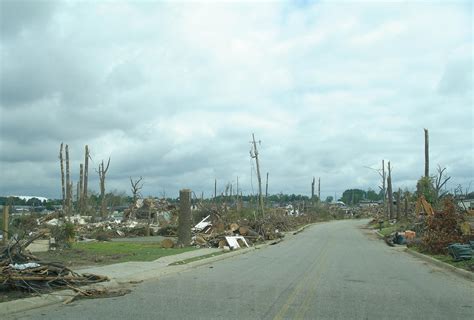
pixel 312 188
pixel 266 188
pixel 63 186
pixel 319 189
pixel 86 178
pixel 389 191
pixel 68 185
pixel 215 189
pixel 184 218
pixel 427 155
pixel 406 206
pixel 398 203
pixel 384 191
pixel 102 172
pixel 81 184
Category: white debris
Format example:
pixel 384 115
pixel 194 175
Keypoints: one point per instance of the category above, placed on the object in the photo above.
pixel 202 225
pixel 233 241
pixel 53 222
pixel 24 266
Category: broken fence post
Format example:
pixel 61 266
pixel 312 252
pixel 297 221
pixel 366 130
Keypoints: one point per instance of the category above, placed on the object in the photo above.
pixel 184 222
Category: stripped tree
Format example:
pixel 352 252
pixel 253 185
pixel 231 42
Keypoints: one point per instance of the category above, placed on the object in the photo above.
pixel 102 171
pixel 63 188
pixel 389 192
pixel 136 187
pixel 427 154
pixel 86 178
pixel 68 185
pixel 440 181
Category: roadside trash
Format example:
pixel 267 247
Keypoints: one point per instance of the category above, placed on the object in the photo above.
pixel 410 235
pixel 19 269
pixel 460 252
pixel 399 238
pixel 236 242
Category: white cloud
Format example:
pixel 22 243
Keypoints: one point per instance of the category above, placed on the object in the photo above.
pixel 172 91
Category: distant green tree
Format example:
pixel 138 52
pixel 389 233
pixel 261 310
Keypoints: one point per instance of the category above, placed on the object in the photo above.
pixel 372 195
pixel 353 196
pixel 329 199
pixel 425 187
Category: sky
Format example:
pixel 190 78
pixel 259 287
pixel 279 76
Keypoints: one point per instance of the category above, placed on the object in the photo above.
pixel 172 91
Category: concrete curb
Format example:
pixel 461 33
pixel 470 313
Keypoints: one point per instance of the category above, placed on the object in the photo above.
pixel 463 273
pixel 15 306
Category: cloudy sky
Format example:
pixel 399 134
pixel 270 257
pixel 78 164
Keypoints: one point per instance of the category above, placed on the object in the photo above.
pixel 172 91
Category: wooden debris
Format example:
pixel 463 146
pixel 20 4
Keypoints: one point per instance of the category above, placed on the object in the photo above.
pixel 21 270
pixel 167 243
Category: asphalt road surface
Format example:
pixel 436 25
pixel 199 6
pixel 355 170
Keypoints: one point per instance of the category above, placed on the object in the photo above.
pixel 335 270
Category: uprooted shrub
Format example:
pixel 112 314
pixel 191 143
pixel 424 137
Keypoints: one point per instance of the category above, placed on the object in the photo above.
pixel 442 229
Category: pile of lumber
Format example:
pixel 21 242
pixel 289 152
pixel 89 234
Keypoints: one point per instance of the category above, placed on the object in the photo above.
pixel 19 269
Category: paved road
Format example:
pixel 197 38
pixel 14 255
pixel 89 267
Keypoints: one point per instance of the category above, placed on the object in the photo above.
pixel 335 270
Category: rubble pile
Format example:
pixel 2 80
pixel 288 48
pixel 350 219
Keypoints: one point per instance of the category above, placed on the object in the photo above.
pixel 19 269
pixel 221 231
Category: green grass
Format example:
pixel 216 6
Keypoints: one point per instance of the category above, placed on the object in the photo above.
pixel 465 264
pixel 177 263
pixel 101 253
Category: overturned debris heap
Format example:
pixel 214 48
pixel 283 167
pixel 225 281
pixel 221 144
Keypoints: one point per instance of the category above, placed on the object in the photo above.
pixel 21 270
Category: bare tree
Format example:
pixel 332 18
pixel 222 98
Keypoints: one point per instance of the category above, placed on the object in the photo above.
pixel 382 188
pixel 102 171
pixel 136 187
pixel 312 189
pixel 440 181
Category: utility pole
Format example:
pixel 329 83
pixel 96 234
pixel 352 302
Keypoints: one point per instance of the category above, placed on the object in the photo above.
pixel 254 154
pixel 427 156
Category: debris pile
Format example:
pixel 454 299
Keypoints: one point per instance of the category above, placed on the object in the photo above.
pixel 21 270
pixel 218 230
